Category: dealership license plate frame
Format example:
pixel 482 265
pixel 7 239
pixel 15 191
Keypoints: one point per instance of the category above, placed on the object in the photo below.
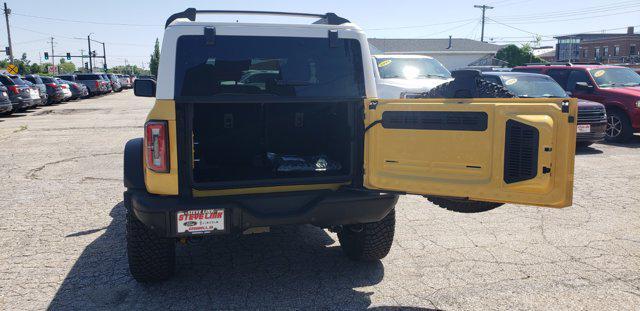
pixel 221 226
pixel 584 128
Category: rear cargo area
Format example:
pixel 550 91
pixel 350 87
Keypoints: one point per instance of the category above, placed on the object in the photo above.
pixel 272 143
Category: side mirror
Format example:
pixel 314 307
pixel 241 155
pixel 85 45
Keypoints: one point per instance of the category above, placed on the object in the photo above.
pixel 584 86
pixel 144 88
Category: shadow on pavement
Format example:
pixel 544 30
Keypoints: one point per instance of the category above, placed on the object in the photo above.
pixel 634 142
pixel 292 267
pixel 587 150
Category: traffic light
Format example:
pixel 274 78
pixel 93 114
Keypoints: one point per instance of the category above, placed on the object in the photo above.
pixel 68 56
pixel 93 53
pixel 46 55
pixel 7 50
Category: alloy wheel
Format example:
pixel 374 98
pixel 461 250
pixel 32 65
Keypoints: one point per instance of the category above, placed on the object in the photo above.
pixel 614 126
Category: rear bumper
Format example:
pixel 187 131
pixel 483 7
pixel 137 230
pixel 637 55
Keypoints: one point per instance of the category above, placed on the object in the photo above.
pixel 5 106
pixel 597 133
pixel 324 209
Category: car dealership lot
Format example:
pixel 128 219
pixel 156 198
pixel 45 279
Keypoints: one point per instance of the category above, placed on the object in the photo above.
pixel 62 237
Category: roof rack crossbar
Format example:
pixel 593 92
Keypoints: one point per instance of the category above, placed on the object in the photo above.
pixel 190 14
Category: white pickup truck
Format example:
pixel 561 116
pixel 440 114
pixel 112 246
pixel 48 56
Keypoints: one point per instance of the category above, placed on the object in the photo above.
pixel 406 76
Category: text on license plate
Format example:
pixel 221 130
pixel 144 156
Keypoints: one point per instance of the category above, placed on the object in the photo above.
pixel 584 128
pixel 200 221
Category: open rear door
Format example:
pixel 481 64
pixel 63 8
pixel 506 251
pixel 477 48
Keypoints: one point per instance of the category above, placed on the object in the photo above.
pixel 497 150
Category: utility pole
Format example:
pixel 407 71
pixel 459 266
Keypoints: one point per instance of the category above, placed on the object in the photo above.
pixel 53 58
pixel 7 11
pixel 484 8
pixel 90 62
pixel 82 59
pixel 104 55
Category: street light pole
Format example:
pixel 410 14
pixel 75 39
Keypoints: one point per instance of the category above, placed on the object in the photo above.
pixel 7 11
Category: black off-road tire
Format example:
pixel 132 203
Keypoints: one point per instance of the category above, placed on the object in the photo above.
pixel 368 242
pixel 151 258
pixel 485 90
pixel 619 128
pixel 462 205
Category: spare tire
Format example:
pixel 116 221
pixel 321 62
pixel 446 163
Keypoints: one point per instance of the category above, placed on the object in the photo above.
pixel 484 89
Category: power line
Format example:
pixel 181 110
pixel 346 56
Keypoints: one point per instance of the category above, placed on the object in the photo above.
pixel 421 26
pixel 86 22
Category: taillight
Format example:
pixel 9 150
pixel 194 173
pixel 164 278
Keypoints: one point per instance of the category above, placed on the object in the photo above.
pixel 97 83
pixel 64 86
pixel 157 146
pixel 52 85
pixel 14 89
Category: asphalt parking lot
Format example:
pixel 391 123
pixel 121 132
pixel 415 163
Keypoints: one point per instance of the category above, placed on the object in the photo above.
pixel 62 237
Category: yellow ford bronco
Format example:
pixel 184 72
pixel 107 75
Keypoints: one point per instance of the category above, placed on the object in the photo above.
pixel 260 125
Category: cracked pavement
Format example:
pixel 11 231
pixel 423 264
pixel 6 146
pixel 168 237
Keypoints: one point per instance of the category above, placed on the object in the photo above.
pixel 62 237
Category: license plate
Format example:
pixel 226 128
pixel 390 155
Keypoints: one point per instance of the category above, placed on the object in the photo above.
pixel 200 221
pixel 34 95
pixel 584 128
pixel 4 94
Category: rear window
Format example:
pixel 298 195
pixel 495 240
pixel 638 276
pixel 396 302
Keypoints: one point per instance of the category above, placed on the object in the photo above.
pixel 70 78
pixel 18 81
pixel 271 66
pixel 48 80
pixel 6 80
pixel 88 77
pixel 35 80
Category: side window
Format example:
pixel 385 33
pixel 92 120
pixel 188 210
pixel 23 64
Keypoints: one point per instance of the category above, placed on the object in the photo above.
pixel 560 75
pixel 574 77
pixel 492 79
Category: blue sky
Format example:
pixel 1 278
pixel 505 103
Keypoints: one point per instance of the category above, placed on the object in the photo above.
pixel 129 27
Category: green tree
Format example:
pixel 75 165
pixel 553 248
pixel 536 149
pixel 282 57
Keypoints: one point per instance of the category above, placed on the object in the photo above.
pixel 35 68
pixel 66 67
pixel 155 59
pixel 516 56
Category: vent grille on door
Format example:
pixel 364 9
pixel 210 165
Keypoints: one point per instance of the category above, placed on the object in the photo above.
pixel 520 152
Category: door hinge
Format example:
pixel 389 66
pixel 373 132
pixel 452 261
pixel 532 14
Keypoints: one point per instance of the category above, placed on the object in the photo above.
pixel 546 170
pixel 333 38
pixel 565 106
pixel 210 35
pixel 373 105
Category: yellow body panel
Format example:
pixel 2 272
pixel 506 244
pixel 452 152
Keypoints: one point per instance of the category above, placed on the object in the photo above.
pixel 164 183
pixel 470 164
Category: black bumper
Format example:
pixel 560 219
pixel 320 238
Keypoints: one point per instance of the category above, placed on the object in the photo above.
pixel 597 133
pixel 324 209
pixel 5 106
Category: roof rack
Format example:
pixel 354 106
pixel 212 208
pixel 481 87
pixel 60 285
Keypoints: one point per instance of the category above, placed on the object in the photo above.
pixel 190 14
pixel 562 63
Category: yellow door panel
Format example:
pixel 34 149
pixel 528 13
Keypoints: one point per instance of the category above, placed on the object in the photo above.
pixel 497 150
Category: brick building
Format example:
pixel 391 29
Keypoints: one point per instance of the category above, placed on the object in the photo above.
pixel 623 48
pixel 572 47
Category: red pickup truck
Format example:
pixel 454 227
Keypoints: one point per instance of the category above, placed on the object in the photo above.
pixel 618 88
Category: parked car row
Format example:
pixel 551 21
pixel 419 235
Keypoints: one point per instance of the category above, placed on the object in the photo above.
pixel 609 96
pixel 19 93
